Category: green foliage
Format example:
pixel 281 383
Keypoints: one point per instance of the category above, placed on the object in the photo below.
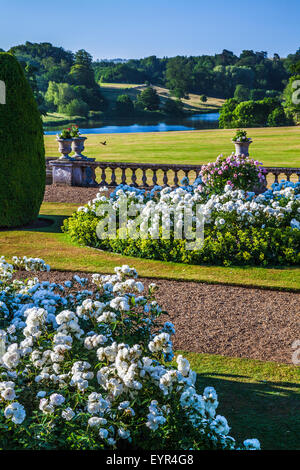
pixel 148 99
pixel 59 97
pixel 252 246
pixel 124 105
pixel 240 136
pixel 82 75
pixel 83 58
pixel 229 77
pixel 291 96
pixel 241 93
pixel 173 107
pixel 178 76
pixel 30 74
pixel 77 107
pixel 65 134
pixel 239 172
pixel 22 162
pixel 257 94
pixel 278 118
pixel 216 75
pixel 251 113
pixel 226 113
pixel 118 73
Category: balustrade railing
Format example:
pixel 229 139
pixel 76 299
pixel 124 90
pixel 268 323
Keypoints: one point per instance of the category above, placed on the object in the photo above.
pixel 144 175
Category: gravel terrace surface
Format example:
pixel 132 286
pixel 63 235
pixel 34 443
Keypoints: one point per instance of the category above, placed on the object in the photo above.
pixel 56 193
pixel 225 320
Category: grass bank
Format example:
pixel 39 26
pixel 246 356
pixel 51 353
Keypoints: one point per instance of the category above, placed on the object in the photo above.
pixel 259 399
pixel 276 146
pixel 58 250
pixel 191 104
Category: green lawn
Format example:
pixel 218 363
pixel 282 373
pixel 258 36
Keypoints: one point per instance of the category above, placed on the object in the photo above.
pixel 259 399
pixel 57 249
pixel 278 146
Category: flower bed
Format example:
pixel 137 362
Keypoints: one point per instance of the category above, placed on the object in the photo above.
pixel 238 172
pixel 240 228
pixel 91 369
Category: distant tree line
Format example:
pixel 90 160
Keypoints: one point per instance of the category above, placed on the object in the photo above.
pixel 62 81
pixel 68 82
pixel 217 75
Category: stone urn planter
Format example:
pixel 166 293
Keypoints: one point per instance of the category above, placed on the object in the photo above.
pixel 78 147
pixel 242 148
pixel 64 147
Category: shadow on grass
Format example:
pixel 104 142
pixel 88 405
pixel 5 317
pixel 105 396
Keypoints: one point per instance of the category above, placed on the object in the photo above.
pixel 268 411
pixel 53 226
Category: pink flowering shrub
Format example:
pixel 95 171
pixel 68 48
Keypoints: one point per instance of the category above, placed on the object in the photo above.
pixel 239 172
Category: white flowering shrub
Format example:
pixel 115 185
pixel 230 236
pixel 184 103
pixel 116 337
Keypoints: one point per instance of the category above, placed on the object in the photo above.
pixel 93 368
pixel 240 227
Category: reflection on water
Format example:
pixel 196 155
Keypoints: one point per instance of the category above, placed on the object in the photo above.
pixel 194 122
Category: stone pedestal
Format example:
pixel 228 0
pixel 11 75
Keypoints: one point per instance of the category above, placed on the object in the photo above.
pixel 242 148
pixel 72 173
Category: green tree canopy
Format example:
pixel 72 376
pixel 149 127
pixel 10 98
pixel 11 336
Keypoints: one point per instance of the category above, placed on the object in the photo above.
pixel 82 57
pixel 179 76
pixel 124 105
pixel 82 75
pixel 77 107
pixel 242 93
pixel 173 107
pixel 149 99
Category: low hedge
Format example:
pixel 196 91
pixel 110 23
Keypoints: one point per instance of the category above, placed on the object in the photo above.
pixel 251 246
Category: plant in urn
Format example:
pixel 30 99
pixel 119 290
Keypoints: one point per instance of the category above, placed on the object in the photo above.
pixel 64 140
pixel 241 143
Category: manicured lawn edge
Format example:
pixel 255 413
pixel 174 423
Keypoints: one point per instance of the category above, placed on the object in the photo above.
pixel 260 399
pixel 63 255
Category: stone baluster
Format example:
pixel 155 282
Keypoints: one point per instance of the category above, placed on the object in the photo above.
pixel 165 178
pixel 80 173
pixel 133 177
pixel 154 177
pixel 123 178
pixel 88 176
pixel 113 177
pixel 103 177
pixel 93 175
pixel 144 178
pixel 176 178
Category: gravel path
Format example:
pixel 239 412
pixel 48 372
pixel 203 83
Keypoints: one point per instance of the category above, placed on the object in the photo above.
pixel 56 193
pixel 215 319
pixel 225 320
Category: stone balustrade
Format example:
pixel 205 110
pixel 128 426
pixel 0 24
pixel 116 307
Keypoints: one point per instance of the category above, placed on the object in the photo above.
pixel 144 175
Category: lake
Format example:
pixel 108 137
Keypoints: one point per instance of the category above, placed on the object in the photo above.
pixel 194 122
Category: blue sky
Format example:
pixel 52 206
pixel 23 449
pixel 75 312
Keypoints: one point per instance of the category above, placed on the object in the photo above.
pixel 134 29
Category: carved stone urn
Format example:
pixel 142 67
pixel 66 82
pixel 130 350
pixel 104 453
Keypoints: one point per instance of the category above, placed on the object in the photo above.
pixel 78 148
pixel 64 147
pixel 242 148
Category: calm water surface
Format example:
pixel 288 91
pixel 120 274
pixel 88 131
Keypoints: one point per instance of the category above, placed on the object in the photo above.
pixel 194 122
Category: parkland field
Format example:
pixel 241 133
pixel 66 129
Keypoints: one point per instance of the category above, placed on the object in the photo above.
pixel 276 146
